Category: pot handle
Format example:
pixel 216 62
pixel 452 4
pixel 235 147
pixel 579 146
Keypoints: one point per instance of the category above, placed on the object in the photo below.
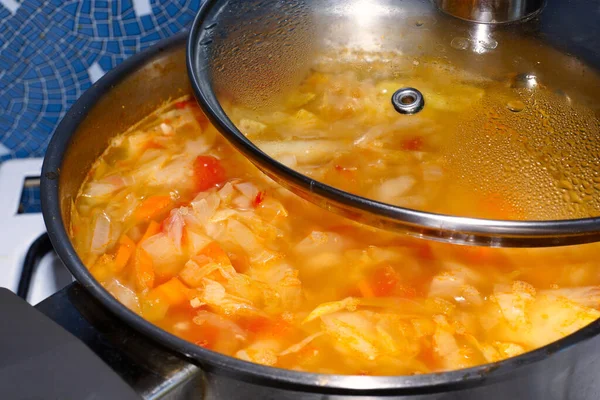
pixel 150 369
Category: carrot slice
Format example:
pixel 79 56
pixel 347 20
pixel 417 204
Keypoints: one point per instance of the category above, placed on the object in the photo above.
pixel 215 253
pixel 174 292
pixel 124 252
pixel 152 206
pixel 144 271
pixel 265 327
pixel 412 144
pixel 126 241
pixel 365 288
pixel 153 229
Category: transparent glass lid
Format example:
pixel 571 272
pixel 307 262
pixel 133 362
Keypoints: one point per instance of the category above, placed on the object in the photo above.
pixel 400 115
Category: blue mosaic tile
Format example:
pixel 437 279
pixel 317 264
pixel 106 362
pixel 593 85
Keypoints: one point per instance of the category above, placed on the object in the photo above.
pixel 147 23
pixel 132 28
pixel 47 47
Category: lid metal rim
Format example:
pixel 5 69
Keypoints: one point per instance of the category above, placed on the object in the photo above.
pixel 441 227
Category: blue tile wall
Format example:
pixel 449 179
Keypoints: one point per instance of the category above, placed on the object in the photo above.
pixel 47 48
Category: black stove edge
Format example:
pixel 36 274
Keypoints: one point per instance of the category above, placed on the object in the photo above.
pixel 41 360
pixel 152 371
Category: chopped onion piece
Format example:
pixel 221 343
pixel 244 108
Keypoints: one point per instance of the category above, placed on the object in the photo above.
pixel 588 296
pixel 243 236
pixel 305 151
pixel 105 187
pixel 394 188
pixel 205 208
pixel 300 345
pixel 248 189
pixel 124 295
pixel 224 324
pixel 226 192
pixel 166 129
pixel 251 128
pixel 261 352
pixel 349 303
pixel 198 147
pixel 102 235
pixel 353 331
pixel 173 226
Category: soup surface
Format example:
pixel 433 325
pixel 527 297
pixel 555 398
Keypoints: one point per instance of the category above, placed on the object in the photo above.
pixel 185 232
pixel 487 147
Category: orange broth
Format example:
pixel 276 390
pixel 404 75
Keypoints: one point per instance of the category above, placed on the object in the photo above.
pixel 188 234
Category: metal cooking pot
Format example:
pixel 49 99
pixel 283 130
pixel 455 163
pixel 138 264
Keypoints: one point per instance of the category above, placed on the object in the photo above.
pixel 564 369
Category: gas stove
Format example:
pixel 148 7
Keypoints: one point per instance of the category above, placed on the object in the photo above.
pixel 22 226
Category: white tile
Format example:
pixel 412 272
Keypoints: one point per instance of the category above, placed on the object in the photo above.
pixel 3 150
pixel 142 7
pixel 11 5
pixel 95 72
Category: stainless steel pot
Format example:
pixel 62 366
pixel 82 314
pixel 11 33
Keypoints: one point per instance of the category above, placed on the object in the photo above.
pixel 566 369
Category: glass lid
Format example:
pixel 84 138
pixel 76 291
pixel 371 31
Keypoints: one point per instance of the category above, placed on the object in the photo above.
pixel 470 122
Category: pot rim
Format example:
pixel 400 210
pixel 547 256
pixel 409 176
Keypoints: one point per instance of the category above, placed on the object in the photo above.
pixel 222 364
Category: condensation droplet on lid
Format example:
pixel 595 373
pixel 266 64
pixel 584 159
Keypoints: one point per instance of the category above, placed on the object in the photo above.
pixel 524 81
pixel 489 44
pixel 515 105
pixel 460 43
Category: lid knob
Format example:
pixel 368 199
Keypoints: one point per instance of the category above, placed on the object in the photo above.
pixel 491 11
pixel 408 101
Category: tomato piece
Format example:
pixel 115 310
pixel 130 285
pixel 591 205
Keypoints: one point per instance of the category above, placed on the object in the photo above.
pixel 208 172
pixel 384 281
pixel 183 104
pixel 258 199
pixel 256 324
pixel 413 144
